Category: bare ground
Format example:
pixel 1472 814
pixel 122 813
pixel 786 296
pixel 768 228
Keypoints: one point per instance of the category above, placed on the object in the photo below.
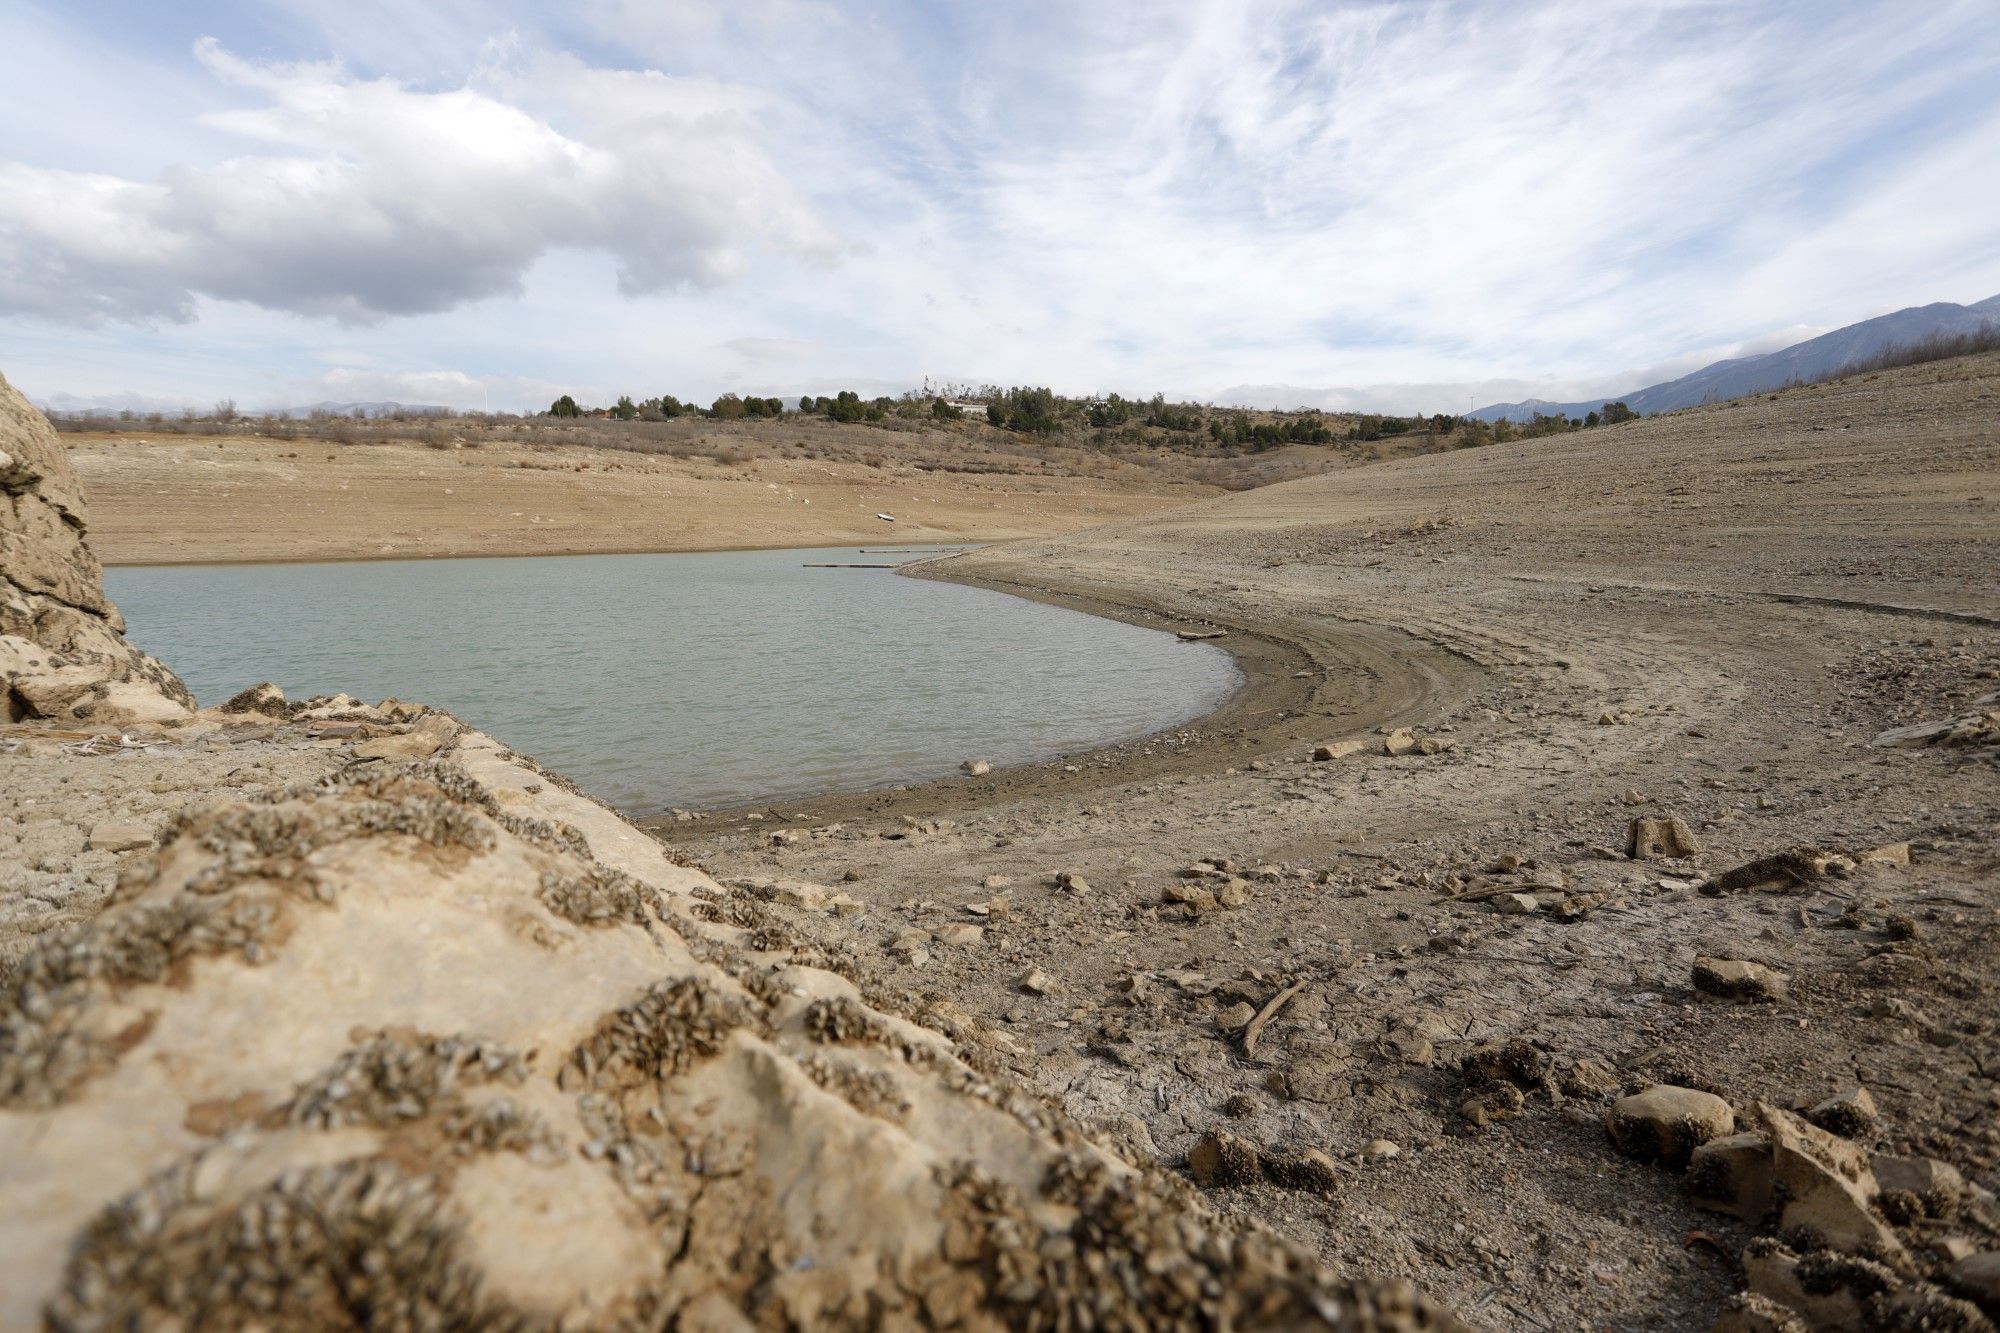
pixel 1710 615
pixel 177 499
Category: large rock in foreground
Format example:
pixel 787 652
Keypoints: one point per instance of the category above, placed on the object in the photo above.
pixel 62 651
pixel 440 1044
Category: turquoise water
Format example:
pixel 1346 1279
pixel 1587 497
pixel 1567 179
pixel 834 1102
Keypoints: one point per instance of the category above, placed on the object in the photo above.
pixel 685 680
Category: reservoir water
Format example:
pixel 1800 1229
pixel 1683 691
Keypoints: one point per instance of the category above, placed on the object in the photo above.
pixel 685 680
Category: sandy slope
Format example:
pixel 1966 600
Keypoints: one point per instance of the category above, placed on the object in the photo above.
pixel 1708 616
pixel 189 499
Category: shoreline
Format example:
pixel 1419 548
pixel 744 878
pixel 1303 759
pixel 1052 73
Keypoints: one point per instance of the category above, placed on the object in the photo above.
pixel 430 556
pixel 1289 679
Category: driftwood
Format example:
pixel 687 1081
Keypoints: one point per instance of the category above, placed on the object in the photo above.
pixel 1266 1014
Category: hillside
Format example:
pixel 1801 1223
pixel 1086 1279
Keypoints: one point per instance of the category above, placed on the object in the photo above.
pixel 1802 363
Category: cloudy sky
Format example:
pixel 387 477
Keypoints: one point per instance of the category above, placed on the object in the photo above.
pixel 1403 205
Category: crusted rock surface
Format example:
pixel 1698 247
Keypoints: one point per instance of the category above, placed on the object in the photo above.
pixel 62 651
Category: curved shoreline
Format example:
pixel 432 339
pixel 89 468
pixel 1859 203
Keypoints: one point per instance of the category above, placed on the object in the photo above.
pixel 1299 689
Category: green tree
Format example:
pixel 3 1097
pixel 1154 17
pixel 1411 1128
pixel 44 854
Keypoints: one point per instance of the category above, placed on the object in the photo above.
pixel 729 407
pixel 944 411
pixel 625 409
pixel 565 406
pixel 1617 412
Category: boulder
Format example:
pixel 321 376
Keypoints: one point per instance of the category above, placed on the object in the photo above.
pixel 1400 742
pixel 1827 1189
pixel 1732 1175
pixel 63 654
pixel 1666 1124
pixel 1338 750
pixel 977 768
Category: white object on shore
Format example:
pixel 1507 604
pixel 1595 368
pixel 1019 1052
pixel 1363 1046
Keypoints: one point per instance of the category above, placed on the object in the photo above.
pixel 886 518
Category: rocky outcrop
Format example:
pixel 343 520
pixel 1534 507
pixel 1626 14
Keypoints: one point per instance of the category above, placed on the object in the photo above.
pixel 437 1042
pixel 63 654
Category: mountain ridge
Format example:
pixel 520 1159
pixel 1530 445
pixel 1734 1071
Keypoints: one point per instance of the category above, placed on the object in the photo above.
pixel 1811 359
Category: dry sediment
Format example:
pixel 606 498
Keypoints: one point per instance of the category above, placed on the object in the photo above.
pixel 1768 627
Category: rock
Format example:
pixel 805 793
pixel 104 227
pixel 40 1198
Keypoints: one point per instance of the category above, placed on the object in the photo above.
pixel 264 699
pixel 1890 854
pixel 423 740
pixel 1400 742
pixel 1588 1079
pixel 1220 1160
pixel 960 933
pixel 1312 1171
pixel 1937 1186
pixel 1192 896
pixel 1233 893
pixel 405 1043
pixel 1338 750
pixel 1497 1102
pixel 977 768
pixel 1577 906
pixel 1849 1113
pixel 63 654
pixel 1433 745
pixel 1516 904
pixel 912 944
pixel 1650 839
pixel 119 835
pixel 1380 1150
pixel 1666 1124
pixel 1739 980
pixel 1794 868
pixel 1732 1175
pixel 1036 982
pixel 1235 1018
pixel 1748 1312
pixel 1517 1061
pixel 1977 1278
pixel 996 881
pixel 803 894
pixel 1633 796
pixel 846 905
pixel 1831 1296
pixel 1827 1188
pixel 1073 882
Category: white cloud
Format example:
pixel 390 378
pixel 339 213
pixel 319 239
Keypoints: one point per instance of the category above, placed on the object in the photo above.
pixel 368 198
pixel 1421 198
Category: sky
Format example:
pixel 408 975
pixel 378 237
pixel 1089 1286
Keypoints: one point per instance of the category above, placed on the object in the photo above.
pixel 1376 206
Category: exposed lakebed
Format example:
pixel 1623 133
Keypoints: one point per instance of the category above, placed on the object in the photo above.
pixel 686 680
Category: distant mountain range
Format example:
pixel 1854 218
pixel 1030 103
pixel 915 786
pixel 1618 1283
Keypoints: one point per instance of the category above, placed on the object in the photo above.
pixel 1815 358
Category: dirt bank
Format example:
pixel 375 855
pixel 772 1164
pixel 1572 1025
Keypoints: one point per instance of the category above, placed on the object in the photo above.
pixel 1709 617
pixel 191 499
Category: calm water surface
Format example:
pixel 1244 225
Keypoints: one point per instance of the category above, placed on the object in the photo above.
pixel 685 680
